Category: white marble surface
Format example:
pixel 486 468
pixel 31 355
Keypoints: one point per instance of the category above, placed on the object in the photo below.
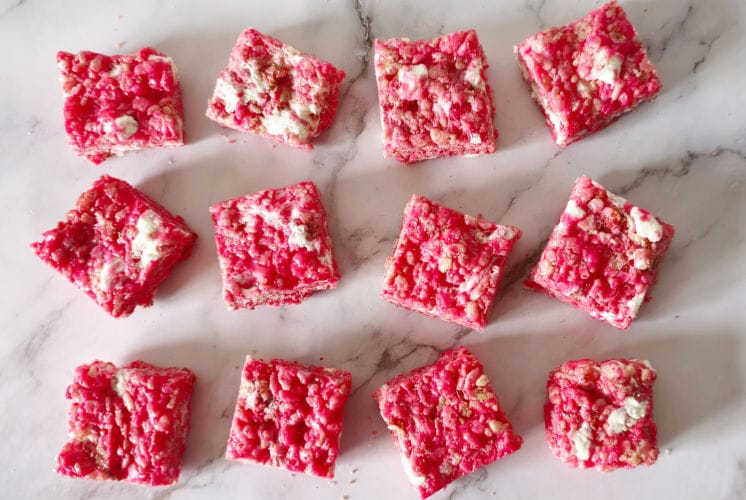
pixel 683 157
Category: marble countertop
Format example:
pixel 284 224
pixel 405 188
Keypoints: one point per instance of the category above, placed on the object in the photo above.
pixel 683 157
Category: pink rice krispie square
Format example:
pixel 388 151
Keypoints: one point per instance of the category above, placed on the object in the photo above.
pixel 446 264
pixel 434 97
pixel 274 247
pixel 120 103
pixel 603 256
pixel 127 424
pixel 273 90
pixel 289 416
pixel 446 420
pixel 117 245
pixel 600 415
pixel 587 73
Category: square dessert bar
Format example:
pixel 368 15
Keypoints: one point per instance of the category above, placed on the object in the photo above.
pixel 446 264
pixel 434 97
pixel 120 103
pixel 603 256
pixel 274 247
pixel 127 424
pixel 271 89
pixel 600 415
pixel 289 416
pixel 446 420
pixel 587 73
pixel 117 245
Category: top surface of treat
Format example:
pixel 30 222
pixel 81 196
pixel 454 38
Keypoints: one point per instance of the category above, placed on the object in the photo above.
pixel 272 89
pixel 446 420
pixel 600 415
pixel 116 245
pixel 274 246
pixel 447 264
pixel 289 416
pixel 119 103
pixel 588 72
pixel 434 97
pixel 127 423
pixel 603 255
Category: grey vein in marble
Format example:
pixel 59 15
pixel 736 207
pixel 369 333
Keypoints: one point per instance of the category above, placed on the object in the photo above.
pixel 13 5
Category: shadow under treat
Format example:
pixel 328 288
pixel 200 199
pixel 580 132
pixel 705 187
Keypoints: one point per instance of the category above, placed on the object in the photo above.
pixel 695 194
pixel 679 35
pixel 699 377
pixel 518 119
pixel 199 57
pixel 188 190
pixel 218 368
pixel 177 189
pixel 518 366
pixel 373 357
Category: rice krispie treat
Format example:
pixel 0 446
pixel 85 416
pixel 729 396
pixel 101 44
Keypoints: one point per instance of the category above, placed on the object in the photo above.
pixel 446 420
pixel 273 90
pixel 127 424
pixel 603 256
pixel 117 245
pixel 274 247
pixel 434 97
pixel 120 103
pixel 446 264
pixel 600 415
pixel 586 74
pixel 289 416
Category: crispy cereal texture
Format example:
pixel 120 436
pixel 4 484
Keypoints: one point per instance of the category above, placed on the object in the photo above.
pixel 434 97
pixel 446 420
pixel 603 256
pixel 271 89
pixel 274 247
pixel 127 424
pixel 586 74
pixel 120 103
pixel 446 264
pixel 600 415
pixel 117 245
pixel 289 416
